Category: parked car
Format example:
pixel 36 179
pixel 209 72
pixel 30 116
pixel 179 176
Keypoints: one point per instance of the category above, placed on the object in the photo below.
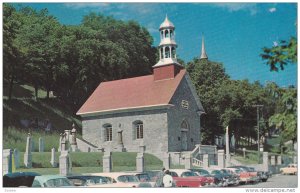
pixel 234 176
pixel 51 181
pixel 187 178
pixel 121 179
pixel 19 179
pixel 290 169
pixel 88 180
pixel 262 175
pixel 227 179
pixel 246 176
pixel 211 180
pixel 143 177
pixel 153 174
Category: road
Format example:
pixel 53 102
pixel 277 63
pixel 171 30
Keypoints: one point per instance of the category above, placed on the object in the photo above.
pixel 277 181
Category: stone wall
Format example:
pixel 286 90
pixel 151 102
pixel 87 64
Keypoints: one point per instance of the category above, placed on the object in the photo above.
pixel 154 127
pixel 177 114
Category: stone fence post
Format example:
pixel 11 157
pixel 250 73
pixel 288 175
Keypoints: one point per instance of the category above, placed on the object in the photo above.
pixel 166 161
pixel 140 164
pixel 65 164
pixel 6 161
pixel 107 162
pixel 221 159
pixel 205 161
pixel 188 161
pixel 266 161
pixel 17 158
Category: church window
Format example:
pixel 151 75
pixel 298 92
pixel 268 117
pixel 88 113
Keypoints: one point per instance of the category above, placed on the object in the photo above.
pixel 138 129
pixel 108 132
pixel 167 33
pixel 185 104
pixel 171 34
pixel 173 52
pixel 167 52
pixel 184 125
pixel 162 53
pixel 162 35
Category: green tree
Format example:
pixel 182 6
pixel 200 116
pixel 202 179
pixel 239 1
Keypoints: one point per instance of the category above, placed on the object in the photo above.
pixel 38 37
pixel 12 56
pixel 286 118
pixel 280 55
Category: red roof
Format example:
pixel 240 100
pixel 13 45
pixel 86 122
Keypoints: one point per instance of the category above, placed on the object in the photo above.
pixel 131 93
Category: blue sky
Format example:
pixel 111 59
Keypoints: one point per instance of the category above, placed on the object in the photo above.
pixel 234 32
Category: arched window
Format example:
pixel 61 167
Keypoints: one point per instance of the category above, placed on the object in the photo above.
pixel 171 34
pixel 167 52
pixel 184 125
pixel 173 52
pixel 162 34
pixel 166 33
pixel 107 132
pixel 161 53
pixel 138 129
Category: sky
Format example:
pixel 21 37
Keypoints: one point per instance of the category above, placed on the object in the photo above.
pixel 235 33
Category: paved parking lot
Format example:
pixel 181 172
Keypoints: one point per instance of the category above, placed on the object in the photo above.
pixel 277 181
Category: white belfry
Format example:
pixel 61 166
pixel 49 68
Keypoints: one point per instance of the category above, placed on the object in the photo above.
pixel 167 46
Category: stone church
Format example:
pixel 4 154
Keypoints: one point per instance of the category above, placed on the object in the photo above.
pixel 158 112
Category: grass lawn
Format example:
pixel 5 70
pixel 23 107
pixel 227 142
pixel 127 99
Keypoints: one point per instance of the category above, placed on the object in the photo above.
pixel 89 162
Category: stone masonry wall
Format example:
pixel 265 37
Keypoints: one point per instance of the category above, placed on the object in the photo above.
pixel 177 114
pixel 154 127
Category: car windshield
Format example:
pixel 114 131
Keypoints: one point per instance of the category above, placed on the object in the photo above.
pixel 187 174
pixel 143 177
pixel 59 182
pixel 216 172
pixel 128 178
pixel 97 180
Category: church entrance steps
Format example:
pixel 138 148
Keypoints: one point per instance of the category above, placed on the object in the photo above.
pixel 197 163
pixel 85 146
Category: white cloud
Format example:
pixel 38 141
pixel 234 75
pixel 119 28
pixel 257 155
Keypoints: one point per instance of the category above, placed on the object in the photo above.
pixel 273 9
pixel 86 5
pixel 232 7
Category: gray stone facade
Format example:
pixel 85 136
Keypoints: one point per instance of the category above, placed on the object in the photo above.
pixel 162 125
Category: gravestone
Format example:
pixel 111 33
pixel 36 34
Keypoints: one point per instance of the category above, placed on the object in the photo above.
pixel 7 161
pixel 60 140
pixel 140 162
pixel 17 158
pixel 27 154
pixel 32 145
pixel 107 162
pixel 65 164
pixel 53 158
pixel 41 144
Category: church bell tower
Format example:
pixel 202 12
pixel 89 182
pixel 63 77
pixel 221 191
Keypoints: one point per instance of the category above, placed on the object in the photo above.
pixel 167 67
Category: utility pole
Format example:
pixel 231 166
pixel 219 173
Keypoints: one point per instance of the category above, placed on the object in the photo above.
pixel 258 148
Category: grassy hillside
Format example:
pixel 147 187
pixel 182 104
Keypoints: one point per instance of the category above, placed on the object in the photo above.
pixel 22 111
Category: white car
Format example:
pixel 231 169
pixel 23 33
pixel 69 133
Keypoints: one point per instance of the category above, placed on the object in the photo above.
pixel 121 180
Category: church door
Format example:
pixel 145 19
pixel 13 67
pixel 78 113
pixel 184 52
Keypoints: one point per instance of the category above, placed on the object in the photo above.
pixel 184 140
pixel 184 135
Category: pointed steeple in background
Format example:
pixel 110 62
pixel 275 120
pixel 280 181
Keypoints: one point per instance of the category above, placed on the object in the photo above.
pixel 203 52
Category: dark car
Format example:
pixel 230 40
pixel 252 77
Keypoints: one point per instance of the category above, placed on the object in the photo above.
pixel 86 180
pixel 262 175
pixel 19 179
